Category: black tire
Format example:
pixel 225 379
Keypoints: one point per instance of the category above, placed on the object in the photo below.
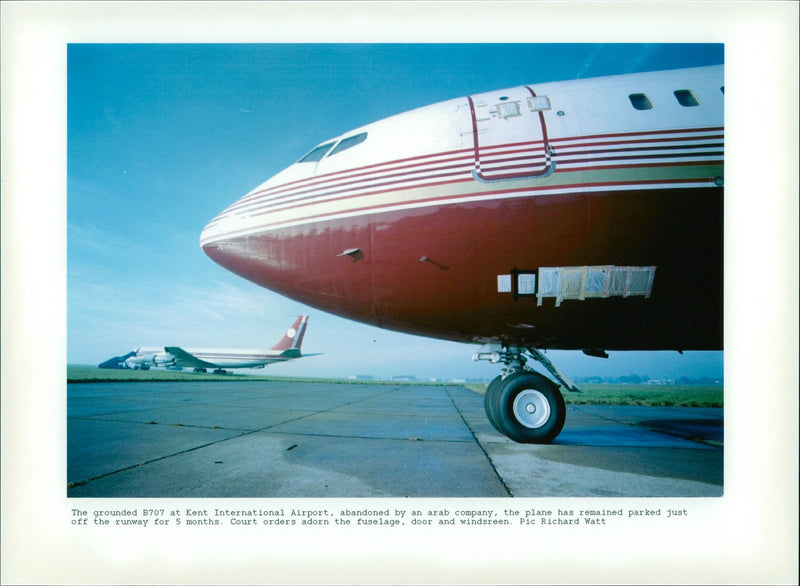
pixel 529 408
pixel 489 402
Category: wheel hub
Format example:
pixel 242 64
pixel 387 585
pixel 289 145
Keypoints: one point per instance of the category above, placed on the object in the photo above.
pixel 531 408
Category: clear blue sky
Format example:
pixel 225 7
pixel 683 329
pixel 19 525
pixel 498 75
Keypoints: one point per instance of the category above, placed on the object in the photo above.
pixel 162 137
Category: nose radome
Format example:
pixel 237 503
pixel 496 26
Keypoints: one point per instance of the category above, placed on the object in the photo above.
pixel 223 241
pixel 229 224
pixel 214 229
pixel 207 232
pixel 237 218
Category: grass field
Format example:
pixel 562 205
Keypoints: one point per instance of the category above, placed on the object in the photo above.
pixel 650 395
pixel 593 394
pixel 656 396
pixel 91 374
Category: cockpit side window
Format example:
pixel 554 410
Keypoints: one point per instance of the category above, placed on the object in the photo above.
pixel 317 153
pixel 349 142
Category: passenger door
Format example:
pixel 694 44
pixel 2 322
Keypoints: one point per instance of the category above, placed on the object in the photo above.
pixel 509 135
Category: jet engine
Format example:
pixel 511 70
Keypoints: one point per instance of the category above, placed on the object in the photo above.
pixel 146 361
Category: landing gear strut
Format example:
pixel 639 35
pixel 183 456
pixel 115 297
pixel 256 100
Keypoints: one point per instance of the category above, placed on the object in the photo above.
pixel 520 403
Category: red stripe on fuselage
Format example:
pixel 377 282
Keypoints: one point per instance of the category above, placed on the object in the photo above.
pixel 425 159
pixel 427 171
pixel 359 175
pixel 359 171
pixel 489 195
pixel 309 198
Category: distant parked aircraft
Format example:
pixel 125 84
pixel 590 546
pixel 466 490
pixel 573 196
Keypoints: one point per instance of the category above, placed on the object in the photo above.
pixel 288 348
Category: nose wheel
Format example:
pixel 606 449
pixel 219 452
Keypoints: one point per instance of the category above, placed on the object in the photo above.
pixel 521 403
pixel 526 407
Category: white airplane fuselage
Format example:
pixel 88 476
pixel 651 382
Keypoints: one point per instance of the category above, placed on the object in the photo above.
pixel 576 214
pixel 583 214
pixel 287 348
pixel 216 357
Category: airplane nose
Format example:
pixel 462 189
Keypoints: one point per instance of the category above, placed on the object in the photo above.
pixel 215 229
pixel 223 241
pixel 236 240
pixel 275 244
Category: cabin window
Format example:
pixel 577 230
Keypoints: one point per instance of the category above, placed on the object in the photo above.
pixel 316 154
pixel 640 102
pixel 350 142
pixel 686 98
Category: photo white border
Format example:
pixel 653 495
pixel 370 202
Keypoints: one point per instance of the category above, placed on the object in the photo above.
pixel 747 536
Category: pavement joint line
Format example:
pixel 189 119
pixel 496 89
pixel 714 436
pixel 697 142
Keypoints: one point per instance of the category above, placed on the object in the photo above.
pixel 361 437
pixel 85 418
pixel 711 443
pixel 480 445
pixel 644 447
pixel 145 463
pixel 192 449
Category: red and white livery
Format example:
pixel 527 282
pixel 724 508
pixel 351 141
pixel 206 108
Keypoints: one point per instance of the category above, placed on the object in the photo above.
pixel 218 359
pixel 583 214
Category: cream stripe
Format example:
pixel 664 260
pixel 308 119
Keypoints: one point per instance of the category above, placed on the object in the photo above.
pixel 384 204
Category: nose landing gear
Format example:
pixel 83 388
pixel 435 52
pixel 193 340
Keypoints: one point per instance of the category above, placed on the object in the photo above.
pixel 522 404
pixel 526 407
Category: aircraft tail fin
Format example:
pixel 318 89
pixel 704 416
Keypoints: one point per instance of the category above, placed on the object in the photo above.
pixel 293 338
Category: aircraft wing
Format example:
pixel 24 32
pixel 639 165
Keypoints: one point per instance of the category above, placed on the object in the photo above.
pixel 184 359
